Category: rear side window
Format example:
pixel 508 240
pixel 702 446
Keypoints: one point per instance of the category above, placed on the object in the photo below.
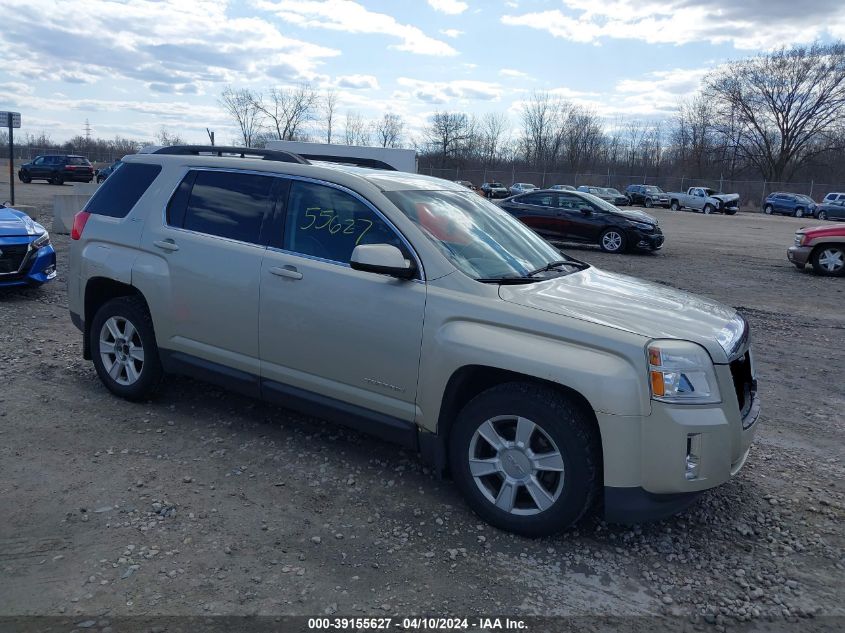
pixel 230 205
pixel 117 195
pixel 77 160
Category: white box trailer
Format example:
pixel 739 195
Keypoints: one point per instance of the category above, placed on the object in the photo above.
pixel 399 159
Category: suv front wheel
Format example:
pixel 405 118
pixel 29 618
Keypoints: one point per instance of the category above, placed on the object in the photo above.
pixel 526 460
pixel 124 350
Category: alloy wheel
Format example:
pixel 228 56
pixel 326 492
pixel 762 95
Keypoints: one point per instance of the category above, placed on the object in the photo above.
pixel 822 215
pixel 832 260
pixel 611 241
pixel 121 350
pixel 516 465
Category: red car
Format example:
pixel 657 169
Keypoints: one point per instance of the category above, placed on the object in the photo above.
pixel 823 247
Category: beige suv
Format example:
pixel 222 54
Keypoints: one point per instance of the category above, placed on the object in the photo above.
pixel 411 308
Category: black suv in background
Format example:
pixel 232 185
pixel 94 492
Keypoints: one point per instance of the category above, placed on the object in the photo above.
pixel 57 169
pixel 647 195
pixel 495 190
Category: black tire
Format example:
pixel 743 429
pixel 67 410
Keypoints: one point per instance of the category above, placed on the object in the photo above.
pixel 649 204
pixel 606 241
pixel 822 215
pixel 708 209
pixel 730 212
pixel 572 431
pixel 134 310
pixel 768 209
pixel 799 212
pixel 823 250
pixel 25 178
pixel 58 179
pixel 675 206
pixel 100 179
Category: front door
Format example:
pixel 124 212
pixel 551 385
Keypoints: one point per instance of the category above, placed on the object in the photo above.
pixel 332 333
pixel 584 220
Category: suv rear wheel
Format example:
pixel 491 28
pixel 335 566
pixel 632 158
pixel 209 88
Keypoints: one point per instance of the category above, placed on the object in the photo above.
pixel 58 179
pixel 526 459
pixel 124 349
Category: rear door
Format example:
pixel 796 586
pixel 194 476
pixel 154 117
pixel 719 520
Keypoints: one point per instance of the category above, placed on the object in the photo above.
pixel 330 334
pixel 210 248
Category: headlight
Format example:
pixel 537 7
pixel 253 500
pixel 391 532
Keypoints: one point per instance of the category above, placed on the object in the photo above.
pixel 681 372
pixel 643 226
pixel 799 239
pixel 41 241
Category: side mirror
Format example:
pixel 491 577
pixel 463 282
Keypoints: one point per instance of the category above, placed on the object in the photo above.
pixel 384 259
pixel 586 210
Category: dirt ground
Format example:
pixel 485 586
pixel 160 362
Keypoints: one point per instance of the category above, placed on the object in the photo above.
pixel 204 502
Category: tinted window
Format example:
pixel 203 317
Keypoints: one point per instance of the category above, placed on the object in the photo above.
pixel 39 161
pixel 327 223
pixel 77 160
pixel 117 195
pixel 568 201
pixel 539 199
pixel 228 204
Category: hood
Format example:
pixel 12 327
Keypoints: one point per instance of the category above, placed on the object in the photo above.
pixel 635 306
pixel 14 223
pixel 636 216
pixel 823 231
pixel 726 197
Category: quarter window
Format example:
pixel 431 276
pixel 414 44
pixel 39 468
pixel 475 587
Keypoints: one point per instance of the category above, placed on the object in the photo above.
pixel 328 223
pixel 539 199
pixel 228 204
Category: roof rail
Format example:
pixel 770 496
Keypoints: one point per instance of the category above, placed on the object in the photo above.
pixel 243 152
pixel 357 161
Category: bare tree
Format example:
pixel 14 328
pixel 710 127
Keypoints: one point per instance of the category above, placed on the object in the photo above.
pixel 447 134
pixel 167 138
pixel 288 109
pixel 355 130
pixel 241 106
pixel 389 130
pixel 786 103
pixel 329 105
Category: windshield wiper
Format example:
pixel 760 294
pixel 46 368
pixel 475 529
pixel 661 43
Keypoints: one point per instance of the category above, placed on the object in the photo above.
pixel 506 281
pixel 561 262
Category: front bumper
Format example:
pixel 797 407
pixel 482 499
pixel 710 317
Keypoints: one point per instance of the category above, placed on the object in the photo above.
pixel 646 241
pixel 38 267
pixel 799 254
pixel 647 460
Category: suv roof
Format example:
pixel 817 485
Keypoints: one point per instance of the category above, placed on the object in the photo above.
pixel 277 161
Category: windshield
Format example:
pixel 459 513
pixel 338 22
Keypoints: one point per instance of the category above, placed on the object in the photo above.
pixel 480 239
pixel 613 191
pixel 653 190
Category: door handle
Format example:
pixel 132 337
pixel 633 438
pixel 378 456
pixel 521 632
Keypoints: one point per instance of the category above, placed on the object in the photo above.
pixel 167 245
pixel 286 271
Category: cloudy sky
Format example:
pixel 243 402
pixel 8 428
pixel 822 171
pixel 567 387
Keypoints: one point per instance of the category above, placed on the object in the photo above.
pixel 131 67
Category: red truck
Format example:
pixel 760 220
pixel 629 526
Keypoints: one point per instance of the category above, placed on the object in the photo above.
pixel 823 247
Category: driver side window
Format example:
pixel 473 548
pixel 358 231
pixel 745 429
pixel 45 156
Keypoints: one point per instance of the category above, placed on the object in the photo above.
pixel 325 222
pixel 39 161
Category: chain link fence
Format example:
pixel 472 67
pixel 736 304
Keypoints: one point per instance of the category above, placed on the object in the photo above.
pixel 25 153
pixel 752 192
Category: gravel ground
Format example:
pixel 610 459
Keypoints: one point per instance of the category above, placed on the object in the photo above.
pixel 204 502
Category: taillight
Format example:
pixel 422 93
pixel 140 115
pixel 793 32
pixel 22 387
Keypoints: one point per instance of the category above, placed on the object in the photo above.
pixel 79 222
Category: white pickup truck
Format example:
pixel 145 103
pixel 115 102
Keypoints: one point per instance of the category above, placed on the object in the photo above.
pixel 705 200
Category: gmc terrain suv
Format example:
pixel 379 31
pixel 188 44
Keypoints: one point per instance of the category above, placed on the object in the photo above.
pixel 57 170
pixel 412 308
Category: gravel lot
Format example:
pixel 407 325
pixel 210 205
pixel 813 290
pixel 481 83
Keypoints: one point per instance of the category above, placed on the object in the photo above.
pixel 204 502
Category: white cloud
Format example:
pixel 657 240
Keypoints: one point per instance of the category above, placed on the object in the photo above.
pixel 753 24
pixel 440 92
pixel 510 72
pixel 352 17
pixel 450 7
pixel 358 82
pixel 453 33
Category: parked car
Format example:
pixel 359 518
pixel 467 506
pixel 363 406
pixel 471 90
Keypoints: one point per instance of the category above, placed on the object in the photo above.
pixel 27 257
pixel 522 187
pixel 647 195
pixel 834 196
pixel 582 217
pixel 57 169
pixel 616 197
pixel 823 247
pixel 705 200
pixel 831 210
pixel 494 190
pixel 105 172
pixel 599 192
pixel 794 204
pixel 562 188
pixel 543 385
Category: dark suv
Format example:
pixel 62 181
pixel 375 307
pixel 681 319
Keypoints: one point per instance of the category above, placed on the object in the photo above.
pixel 57 169
pixel 495 190
pixel 582 217
pixel 647 195
pixel 795 204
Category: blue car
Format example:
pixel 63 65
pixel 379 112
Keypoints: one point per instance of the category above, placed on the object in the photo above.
pixel 27 257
